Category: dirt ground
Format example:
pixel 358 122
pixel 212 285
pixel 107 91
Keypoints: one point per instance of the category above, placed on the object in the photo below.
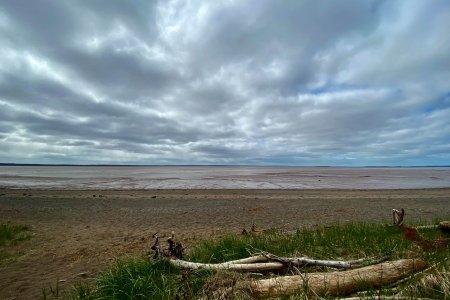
pixel 76 234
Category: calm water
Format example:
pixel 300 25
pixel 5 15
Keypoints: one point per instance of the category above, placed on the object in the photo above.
pixel 167 177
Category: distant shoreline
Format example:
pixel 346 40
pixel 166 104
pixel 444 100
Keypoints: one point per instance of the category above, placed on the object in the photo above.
pixel 216 165
pixel 217 190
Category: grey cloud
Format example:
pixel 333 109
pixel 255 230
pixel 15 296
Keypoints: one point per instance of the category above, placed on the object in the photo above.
pixel 45 25
pixel 293 33
pixel 120 75
pixel 258 82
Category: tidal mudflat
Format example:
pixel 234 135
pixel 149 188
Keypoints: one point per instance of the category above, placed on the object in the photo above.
pixel 77 233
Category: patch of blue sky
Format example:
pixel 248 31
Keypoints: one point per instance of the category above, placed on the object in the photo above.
pixel 441 102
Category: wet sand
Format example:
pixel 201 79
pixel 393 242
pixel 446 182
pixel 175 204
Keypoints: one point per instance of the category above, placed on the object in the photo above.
pixel 84 231
pixel 220 177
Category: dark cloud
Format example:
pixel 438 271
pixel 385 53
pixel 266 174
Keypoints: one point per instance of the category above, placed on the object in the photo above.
pixel 304 82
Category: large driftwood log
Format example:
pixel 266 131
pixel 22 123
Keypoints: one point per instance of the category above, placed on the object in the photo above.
pixel 444 227
pixel 337 283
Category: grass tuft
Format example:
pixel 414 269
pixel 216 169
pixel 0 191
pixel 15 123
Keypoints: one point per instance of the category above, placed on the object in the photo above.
pixel 139 279
pixel 10 235
pixel 135 278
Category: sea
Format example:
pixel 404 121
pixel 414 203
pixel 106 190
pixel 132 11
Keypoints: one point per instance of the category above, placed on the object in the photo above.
pixel 221 177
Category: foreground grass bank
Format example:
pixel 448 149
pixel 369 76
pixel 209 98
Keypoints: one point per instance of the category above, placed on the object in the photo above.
pixel 142 278
pixel 10 235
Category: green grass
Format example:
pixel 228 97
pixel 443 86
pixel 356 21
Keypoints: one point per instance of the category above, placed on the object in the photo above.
pixel 139 278
pixel 135 278
pixel 348 241
pixel 10 235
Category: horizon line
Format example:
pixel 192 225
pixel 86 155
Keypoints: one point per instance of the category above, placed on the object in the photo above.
pixel 217 165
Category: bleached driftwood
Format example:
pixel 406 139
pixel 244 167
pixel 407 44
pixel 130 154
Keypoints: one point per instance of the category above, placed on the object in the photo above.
pixel 250 260
pixel 337 283
pixel 398 216
pixel 444 227
pixel 231 266
pixel 336 264
pixel 269 262
pixel 395 297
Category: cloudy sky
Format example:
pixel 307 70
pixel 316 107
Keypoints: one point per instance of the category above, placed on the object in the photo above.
pixel 225 82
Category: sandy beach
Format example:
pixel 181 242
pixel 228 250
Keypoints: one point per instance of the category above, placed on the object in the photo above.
pixel 76 234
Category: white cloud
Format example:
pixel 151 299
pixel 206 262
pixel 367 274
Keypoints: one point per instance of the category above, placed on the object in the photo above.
pixel 307 82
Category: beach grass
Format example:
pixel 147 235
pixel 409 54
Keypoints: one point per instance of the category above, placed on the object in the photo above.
pixel 347 241
pixel 143 278
pixel 10 235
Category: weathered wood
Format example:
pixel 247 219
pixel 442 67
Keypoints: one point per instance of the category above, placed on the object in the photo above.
pixel 386 298
pixel 444 227
pixel 156 247
pixel 242 267
pixel 426 227
pixel 250 260
pixel 337 264
pixel 269 262
pixel 337 283
pixel 398 216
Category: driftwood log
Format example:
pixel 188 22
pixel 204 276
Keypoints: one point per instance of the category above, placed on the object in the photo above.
pixel 444 227
pixel 337 283
pixel 175 249
pixel 230 266
pixel 269 263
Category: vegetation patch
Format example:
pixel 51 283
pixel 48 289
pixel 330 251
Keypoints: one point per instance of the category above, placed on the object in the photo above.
pixel 144 278
pixel 10 235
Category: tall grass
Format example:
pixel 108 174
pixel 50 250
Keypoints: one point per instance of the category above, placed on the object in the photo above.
pixel 135 278
pixel 141 278
pixel 348 241
pixel 10 235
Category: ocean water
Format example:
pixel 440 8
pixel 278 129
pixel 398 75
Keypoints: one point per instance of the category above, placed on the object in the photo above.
pixel 220 177
pixel 202 177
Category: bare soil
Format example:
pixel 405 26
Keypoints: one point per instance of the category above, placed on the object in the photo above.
pixel 77 234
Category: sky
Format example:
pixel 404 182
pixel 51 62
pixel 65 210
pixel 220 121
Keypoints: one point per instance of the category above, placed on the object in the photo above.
pixel 348 83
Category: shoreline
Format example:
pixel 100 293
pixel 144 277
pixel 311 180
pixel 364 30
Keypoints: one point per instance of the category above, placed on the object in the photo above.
pixel 84 231
pixel 220 177
pixel 216 189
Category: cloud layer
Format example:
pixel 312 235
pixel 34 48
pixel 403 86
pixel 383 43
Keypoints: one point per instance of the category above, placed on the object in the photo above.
pixel 225 82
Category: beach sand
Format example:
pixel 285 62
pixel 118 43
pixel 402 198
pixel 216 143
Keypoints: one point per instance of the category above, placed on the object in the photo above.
pixel 76 234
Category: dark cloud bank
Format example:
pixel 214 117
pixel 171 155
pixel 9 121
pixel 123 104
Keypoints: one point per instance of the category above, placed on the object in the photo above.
pixel 225 82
